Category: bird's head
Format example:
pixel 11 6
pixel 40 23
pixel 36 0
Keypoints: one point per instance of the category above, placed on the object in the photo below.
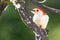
pixel 38 11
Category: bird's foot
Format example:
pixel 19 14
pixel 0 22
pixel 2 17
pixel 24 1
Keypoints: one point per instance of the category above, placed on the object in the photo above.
pixel 45 32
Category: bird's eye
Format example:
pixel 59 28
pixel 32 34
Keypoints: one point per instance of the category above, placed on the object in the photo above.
pixel 37 10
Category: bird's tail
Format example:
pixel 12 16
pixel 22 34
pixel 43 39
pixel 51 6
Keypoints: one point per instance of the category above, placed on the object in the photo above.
pixel 45 31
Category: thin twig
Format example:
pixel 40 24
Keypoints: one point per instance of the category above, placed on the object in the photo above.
pixel 50 9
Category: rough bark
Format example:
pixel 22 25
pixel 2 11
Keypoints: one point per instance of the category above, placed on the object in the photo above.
pixel 2 6
pixel 24 14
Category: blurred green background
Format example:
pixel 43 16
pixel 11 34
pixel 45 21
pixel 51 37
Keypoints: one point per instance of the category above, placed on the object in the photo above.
pixel 12 27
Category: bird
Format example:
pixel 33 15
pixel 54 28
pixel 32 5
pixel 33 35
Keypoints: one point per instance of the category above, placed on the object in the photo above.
pixel 40 18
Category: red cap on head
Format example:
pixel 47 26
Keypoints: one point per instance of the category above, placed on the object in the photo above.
pixel 44 13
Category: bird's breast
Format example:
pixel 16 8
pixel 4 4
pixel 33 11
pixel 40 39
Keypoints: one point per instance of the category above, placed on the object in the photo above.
pixel 40 20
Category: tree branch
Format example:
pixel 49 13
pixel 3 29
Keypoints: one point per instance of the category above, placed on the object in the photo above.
pixel 24 14
pixel 50 9
pixel 2 6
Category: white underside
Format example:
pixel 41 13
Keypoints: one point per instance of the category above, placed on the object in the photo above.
pixel 41 20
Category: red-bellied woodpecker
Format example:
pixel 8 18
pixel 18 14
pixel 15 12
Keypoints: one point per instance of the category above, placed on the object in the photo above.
pixel 40 18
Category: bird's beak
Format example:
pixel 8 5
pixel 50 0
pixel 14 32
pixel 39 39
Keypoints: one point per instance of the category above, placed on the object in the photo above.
pixel 31 10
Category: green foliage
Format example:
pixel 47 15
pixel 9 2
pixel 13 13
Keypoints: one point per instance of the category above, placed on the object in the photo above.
pixel 12 27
